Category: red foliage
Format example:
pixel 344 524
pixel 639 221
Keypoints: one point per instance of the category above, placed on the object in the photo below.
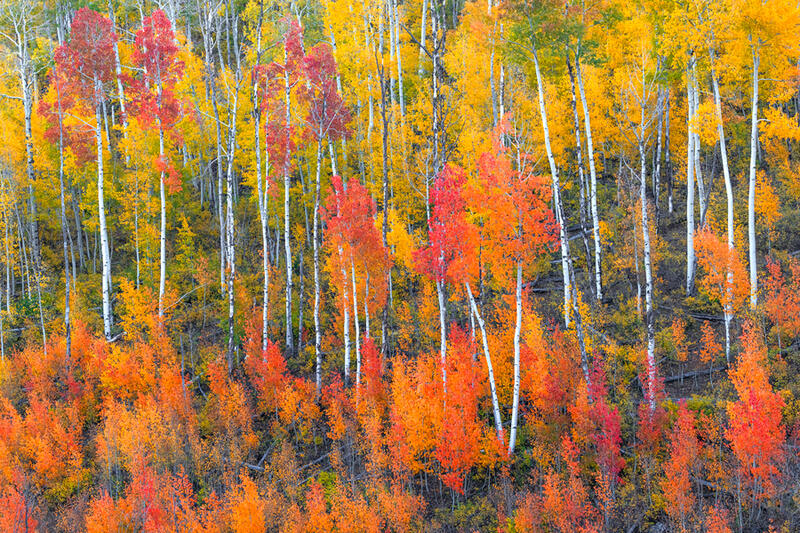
pixel 327 115
pixel 599 424
pixel 279 80
pixel 566 502
pixel 156 53
pixel 269 375
pixel 54 109
pixel 684 448
pixel 337 407
pixel 349 214
pixel 511 207
pixel 87 60
pixel 782 298
pixel 162 164
pixel 450 255
pixel 459 445
pixel 607 436
pixel 651 420
pixel 82 68
pixel 17 512
pixel 756 432
pixel 373 371
pixel 717 521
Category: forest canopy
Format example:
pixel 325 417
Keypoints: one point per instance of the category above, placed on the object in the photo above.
pixel 408 265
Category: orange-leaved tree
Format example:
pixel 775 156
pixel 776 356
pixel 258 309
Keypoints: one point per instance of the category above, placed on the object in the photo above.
pixel 511 206
pixel 725 279
pixel 680 466
pixel 755 432
pixel 155 104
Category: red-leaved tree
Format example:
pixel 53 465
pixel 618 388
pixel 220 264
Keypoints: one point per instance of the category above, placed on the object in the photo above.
pixel 85 65
pixel 155 104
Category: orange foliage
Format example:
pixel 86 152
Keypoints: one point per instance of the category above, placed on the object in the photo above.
pixel 756 432
pixel 679 338
pixel 782 298
pixel 710 348
pixel 247 508
pixel 717 259
pixel 460 438
pixel 717 521
pixel 679 467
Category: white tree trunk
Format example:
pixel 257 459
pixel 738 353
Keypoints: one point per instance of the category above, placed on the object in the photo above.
pixel 64 238
pixel 135 231
pixel 751 189
pixel 287 230
pixel 727 311
pixel 118 71
pixel 316 237
pixel 101 208
pixel 657 159
pixel 366 306
pixel 355 322
pixel 648 271
pixel 667 154
pixel 229 225
pixel 556 191
pixel 498 421
pixel 401 94
pixel 702 194
pixel 593 184
pixel 690 257
pixel 422 36
pixel 512 440
pixel 220 213
pixel 346 319
pixel 262 189
pixel 442 331
pixel 162 271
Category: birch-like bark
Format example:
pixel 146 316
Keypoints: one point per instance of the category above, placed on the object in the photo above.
pixel 562 233
pixel 702 194
pixel 64 235
pixel 262 188
pixel 582 196
pixel 9 283
pixel 19 16
pixel 493 88
pixel 206 19
pixel 118 73
pixel 385 205
pixel 162 247
pixel 593 185
pixel 442 331
pixel 498 421
pixel 2 330
pixel 229 223
pixel 366 306
pixel 355 322
pixel 287 233
pixel 657 157
pixel 751 185
pixel 316 243
pixel 512 439
pixel 690 257
pixel 101 208
pixel 667 154
pixel 422 37
pixel 345 319
pixel 727 311
pixel 648 271
pixel 399 57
